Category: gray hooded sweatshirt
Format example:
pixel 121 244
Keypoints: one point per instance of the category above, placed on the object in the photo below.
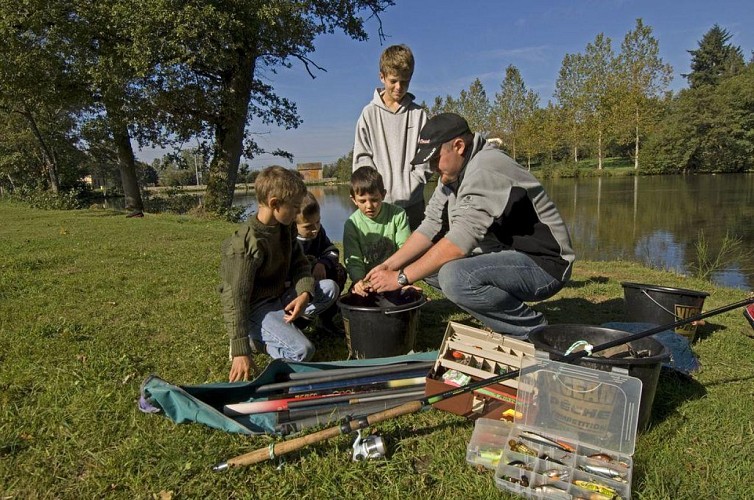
pixel 386 140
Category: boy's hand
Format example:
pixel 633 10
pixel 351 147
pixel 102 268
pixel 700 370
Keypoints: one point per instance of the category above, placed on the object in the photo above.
pixel 362 287
pixel 319 272
pixel 241 368
pixel 295 308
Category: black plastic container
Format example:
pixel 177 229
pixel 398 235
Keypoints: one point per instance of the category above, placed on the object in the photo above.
pixel 556 339
pixel 663 305
pixel 380 325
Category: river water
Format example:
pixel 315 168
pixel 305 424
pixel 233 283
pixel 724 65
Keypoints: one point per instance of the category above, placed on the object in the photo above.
pixel 653 220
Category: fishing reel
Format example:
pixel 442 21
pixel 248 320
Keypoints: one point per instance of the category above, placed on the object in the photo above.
pixel 372 446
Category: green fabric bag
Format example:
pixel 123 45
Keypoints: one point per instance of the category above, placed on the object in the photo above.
pixel 204 403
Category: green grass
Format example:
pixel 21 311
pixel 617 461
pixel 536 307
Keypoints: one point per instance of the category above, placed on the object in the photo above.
pixel 92 302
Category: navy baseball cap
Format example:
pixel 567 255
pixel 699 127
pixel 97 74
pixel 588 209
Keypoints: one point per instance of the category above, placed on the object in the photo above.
pixel 438 130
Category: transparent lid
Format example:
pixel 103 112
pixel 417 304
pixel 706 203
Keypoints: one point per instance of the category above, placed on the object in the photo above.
pixel 601 407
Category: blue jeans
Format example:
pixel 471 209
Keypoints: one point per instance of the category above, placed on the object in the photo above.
pixel 284 340
pixel 492 287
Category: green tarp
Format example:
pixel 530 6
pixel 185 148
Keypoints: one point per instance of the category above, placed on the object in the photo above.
pixel 203 403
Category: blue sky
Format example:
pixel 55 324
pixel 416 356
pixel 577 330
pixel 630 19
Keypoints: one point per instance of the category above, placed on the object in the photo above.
pixel 456 42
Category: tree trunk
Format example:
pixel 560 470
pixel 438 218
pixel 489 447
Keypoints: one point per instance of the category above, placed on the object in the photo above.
pixel 636 142
pixel 50 160
pixel 127 166
pixel 229 135
pixel 599 150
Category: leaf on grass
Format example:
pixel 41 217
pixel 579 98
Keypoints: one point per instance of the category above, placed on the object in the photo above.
pixel 164 495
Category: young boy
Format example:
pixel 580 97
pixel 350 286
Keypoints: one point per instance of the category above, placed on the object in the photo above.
pixel 374 231
pixel 387 133
pixel 259 305
pixel 322 254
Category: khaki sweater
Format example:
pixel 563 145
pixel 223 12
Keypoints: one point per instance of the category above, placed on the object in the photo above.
pixel 256 262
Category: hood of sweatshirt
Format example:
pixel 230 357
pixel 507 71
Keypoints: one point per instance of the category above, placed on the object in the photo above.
pixel 404 104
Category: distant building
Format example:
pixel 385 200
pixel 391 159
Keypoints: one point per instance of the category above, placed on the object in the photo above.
pixel 311 172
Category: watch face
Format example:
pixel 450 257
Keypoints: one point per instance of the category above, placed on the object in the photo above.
pixel 402 279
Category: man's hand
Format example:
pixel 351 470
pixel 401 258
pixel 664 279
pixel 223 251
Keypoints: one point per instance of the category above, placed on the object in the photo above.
pixel 383 280
pixel 296 307
pixel 241 368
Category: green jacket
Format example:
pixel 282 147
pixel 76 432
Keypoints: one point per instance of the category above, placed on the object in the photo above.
pixel 257 261
pixel 369 242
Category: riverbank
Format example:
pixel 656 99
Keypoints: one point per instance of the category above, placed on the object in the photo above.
pixel 92 302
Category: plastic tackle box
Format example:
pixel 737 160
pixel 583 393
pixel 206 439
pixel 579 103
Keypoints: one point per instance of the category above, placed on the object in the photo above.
pixel 487 442
pixel 574 434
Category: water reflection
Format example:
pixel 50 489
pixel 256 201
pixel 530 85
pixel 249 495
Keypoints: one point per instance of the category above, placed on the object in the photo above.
pixel 658 220
pixel 652 220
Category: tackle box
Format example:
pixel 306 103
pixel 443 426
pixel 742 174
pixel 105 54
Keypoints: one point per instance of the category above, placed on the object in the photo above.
pixel 574 434
pixel 469 354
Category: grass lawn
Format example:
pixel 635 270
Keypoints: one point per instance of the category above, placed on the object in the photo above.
pixel 91 303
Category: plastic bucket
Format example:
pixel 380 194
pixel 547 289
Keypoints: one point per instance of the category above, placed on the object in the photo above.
pixel 556 339
pixel 662 305
pixel 381 325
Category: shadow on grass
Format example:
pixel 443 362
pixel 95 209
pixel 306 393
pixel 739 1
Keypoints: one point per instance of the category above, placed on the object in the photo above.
pixel 707 330
pixel 581 311
pixel 673 389
pixel 600 280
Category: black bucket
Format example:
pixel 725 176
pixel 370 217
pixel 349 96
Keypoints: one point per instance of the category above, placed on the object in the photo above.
pixel 557 339
pixel 381 325
pixel 662 305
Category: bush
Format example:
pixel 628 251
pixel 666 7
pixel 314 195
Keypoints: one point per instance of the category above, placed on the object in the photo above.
pixel 71 199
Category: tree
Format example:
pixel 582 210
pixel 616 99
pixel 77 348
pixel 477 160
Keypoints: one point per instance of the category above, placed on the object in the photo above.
pixel 644 78
pixel 600 91
pixel 715 59
pixel 475 107
pixel 510 107
pixel 570 91
pixel 549 130
pixel 709 128
pixel 343 167
pixel 212 80
pixel 37 82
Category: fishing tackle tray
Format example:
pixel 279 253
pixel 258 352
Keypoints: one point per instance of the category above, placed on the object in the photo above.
pixel 477 354
pixel 575 430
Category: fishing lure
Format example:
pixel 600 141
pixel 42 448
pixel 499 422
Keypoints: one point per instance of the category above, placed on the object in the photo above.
pixel 545 456
pixel 547 489
pixel 539 439
pixel 524 481
pixel 604 457
pixel 604 471
pixel 599 488
pixel 520 447
pixel 557 474
pixel 520 464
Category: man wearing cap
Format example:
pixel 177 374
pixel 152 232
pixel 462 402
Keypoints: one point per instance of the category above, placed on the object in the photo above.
pixel 491 238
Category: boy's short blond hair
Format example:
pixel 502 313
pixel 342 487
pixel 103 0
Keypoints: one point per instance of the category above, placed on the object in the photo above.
pixel 397 60
pixel 279 182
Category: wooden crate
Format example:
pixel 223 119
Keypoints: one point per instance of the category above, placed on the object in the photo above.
pixel 482 355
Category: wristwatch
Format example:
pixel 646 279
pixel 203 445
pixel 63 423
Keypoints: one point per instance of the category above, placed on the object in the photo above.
pixel 402 278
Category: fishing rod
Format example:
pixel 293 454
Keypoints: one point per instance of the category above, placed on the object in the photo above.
pixel 278 449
